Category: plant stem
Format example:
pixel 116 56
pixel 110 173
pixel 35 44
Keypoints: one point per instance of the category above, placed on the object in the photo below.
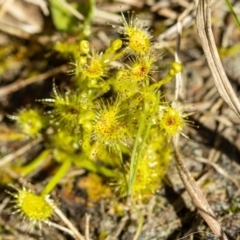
pixel 36 163
pixel 57 177
pixel 140 143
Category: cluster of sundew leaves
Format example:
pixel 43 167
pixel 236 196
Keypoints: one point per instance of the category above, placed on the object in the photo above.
pixel 116 116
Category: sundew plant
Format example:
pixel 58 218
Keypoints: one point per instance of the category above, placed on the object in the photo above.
pixel 113 121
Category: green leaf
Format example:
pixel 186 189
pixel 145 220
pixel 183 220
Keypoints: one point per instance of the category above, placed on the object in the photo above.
pixel 63 19
pixel 234 15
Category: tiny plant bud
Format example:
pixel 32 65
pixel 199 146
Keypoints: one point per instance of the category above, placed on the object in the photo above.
pixel 116 44
pixel 84 47
pixel 95 68
pixel 82 60
pixel 176 68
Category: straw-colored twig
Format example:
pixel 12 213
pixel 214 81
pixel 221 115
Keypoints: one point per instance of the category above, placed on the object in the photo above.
pixel 25 82
pixel 69 224
pixel 197 196
pixel 87 227
pixel 61 228
pixel 11 156
pixel 179 90
pixel 220 170
pixel 71 9
pixel 203 23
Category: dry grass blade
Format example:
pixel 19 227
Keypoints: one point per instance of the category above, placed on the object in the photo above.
pixel 203 23
pixel 8 158
pixel 25 82
pixel 220 170
pixel 76 233
pixel 197 197
pixel 71 9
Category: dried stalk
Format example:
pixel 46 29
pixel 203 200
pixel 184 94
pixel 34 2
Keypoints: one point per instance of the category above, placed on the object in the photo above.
pixel 197 197
pixel 73 229
pixel 25 82
pixel 13 155
pixel 203 23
